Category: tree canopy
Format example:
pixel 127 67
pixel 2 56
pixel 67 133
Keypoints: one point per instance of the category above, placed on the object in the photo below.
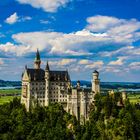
pixel 107 121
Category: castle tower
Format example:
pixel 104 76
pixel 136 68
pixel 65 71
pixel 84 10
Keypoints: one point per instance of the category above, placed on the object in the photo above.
pixel 25 93
pixel 47 79
pixel 96 82
pixel 124 96
pixel 37 60
pixel 78 84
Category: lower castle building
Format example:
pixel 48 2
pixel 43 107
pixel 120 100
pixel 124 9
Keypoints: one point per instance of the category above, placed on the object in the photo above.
pixel 48 86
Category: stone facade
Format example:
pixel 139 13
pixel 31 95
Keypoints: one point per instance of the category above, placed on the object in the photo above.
pixel 46 86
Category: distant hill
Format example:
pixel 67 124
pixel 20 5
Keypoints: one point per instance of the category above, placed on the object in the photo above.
pixel 111 85
pixel 104 85
pixel 9 83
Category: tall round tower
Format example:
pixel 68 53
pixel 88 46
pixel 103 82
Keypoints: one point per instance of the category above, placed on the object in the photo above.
pixel 95 82
pixel 47 80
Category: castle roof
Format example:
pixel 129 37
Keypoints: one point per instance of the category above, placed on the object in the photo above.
pixel 59 76
pixel 36 74
pixel 39 75
pixel 96 71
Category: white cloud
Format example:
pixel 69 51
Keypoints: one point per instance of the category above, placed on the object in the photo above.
pixel 120 30
pixel 84 62
pixel 129 51
pixel 12 19
pixel 66 62
pixel 58 43
pixel 25 18
pixel 15 18
pixel 119 62
pixel 81 43
pixel 10 49
pixel 46 5
pixel 1 61
pixel 85 42
pixel 62 62
pixel 44 21
pixel 133 64
pixel 101 23
pixel 95 65
pixel 112 69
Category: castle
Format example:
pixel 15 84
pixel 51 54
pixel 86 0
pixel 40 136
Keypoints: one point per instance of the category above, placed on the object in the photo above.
pixel 49 86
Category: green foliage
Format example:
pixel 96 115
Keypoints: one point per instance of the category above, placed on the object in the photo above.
pixel 107 121
pixel 40 123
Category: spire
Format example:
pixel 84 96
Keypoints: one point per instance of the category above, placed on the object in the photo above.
pixel 37 58
pixel 47 66
pixel 26 67
pixel 37 61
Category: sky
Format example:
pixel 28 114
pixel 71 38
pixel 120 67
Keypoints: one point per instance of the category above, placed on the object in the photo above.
pixel 78 35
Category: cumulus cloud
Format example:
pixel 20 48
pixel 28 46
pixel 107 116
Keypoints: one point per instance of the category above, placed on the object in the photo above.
pixel 114 40
pixel 102 23
pixel 12 19
pixel 66 44
pixel 46 5
pixel 10 49
pixel 129 51
pixel 119 62
pixel 66 61
pixel 62 62
pixel 117 35
pixel 84 62
pixel 95 65
pixel 121 30
pixel 15 18
pixel 135 64
pixel 112 69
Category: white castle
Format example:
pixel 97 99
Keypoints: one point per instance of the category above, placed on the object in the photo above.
pixel 48 86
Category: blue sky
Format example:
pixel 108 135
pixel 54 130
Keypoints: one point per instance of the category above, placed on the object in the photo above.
pixel 78 35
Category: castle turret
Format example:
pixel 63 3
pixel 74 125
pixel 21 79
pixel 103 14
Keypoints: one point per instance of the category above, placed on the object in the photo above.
pixel 47 79
pixel 78 84
pixel 96 82
pixel 37 60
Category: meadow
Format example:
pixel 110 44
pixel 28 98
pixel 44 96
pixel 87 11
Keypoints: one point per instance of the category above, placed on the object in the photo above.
pixel 6 99
pixel 10 91
pixel 134 98
pixel 7 95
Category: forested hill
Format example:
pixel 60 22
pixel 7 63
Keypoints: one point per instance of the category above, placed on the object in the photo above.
pixel 111 85
pixel 9 83
pixel 104 85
